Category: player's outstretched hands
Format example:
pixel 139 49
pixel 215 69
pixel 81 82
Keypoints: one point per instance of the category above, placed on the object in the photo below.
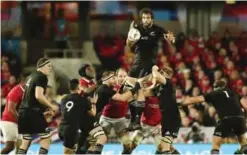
pixel 170 36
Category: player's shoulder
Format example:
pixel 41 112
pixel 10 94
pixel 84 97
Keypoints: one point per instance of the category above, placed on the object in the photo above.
pixel 38 75
pixel 16 90
pixel 101 87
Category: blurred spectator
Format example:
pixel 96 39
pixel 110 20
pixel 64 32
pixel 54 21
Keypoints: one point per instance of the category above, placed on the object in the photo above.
pixel 5 72
pixel 217 75
pixel 195 135
pixel 188 87
pixel 8 86
pixel 244 91
pixel 61 30
pixel 226 39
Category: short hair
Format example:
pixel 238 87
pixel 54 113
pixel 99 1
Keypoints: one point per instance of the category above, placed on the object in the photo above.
pixel 168 71
pixel 120 69
pixel 73 84
pixel 106 75
pixel 219 84
pixel 42 62
pixel 146 11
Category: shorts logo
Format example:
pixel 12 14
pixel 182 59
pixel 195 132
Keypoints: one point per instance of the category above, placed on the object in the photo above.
pixel 218 133
pixel 168 133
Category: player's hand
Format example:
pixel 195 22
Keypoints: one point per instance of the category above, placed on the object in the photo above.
pixel 48 115
pixel 54 108
pixel 94 99
pixel 170 36
pixel 155 68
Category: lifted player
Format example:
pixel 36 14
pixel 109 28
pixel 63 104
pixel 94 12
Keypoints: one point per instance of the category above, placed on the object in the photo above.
pixel 146 48
pixel 228 106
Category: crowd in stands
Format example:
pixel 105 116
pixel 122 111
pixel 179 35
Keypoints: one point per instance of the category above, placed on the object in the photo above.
pixel 197 63
pixel 10 64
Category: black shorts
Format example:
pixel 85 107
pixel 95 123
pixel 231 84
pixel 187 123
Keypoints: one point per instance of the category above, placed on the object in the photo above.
pixel 170 126
pixel 228 126
pixel 140 68
pixel 69 135
pixel 32 122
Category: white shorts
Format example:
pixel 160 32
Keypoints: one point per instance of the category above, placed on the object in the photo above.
pixel 148 130
pixel 118 124
pixel 9 130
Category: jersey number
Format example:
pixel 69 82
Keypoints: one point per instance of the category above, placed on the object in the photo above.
pixel 227 95
pixel 69 105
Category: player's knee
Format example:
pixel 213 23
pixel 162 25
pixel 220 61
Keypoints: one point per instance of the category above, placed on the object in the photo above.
pixel 244 149
pixel 102 139
pixel 136 139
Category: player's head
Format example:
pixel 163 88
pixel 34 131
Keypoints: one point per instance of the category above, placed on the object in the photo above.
pixel 167 72
pixel 44 66
pixel 74 86
pixel 87 71
pixel 109 78
pixel 147 17
pixel 219 84
pixel 121 75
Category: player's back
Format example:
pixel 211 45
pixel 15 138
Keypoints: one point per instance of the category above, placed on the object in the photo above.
pixel 29 100
pixel 15 95
pixel 115 109
pixel 226 102
pixel 151 114
pixel 73 109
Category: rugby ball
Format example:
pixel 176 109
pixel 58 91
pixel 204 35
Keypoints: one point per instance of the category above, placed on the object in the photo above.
pixel 134 34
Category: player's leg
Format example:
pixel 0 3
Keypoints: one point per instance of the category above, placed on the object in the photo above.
pixel 69 137
pixel 138 108
pixel 169 133
pixel 10 134
pixel 119 126
pixel 26 142
pixel 157 138
pixel 220 132
pixel 136 139
pixel 25 127
pixel 239 129
pixel 83 144
pixel 98 134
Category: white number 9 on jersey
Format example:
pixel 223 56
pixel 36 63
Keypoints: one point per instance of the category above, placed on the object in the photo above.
pixel 69 105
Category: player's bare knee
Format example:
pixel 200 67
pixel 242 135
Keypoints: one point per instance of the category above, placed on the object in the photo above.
pixel 101 139
pixel 242 140
pixel 45 142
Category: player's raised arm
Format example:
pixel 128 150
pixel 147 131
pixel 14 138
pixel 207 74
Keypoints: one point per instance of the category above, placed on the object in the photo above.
pixel 243 102
pixel 127 95
pixel 157 76
pixel 133 35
